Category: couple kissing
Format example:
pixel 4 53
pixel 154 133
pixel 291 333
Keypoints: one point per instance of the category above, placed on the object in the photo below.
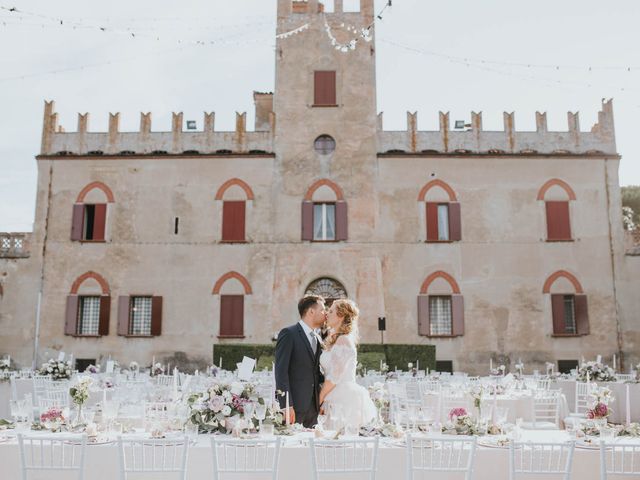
pixel 318 373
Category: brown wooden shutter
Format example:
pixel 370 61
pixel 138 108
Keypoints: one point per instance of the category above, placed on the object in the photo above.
pixel 557 313
pixel 71 320
pixel 99 221
pixel 424 327
pixel 156 316
pixel 231 315
pixel 455 225
pixel 77 221
pixel 432 222
pixel 457 315
pixel 324 88
pixel 124 310
pixel 558 224
pixel 582 315
pixel 342 222
pixel 233 221
pixel 307 221
pixel 105 315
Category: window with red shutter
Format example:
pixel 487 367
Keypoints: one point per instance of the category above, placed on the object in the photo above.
pixel 443 222
pixel 558 221
pixel 71 317
pixel 324 89
pixel 307 221
pixel 233 221
pixel 232 316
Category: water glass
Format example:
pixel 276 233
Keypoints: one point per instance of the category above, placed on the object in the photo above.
pixel 266 430
pixel 191 431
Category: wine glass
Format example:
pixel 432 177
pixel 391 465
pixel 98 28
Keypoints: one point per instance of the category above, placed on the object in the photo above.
pixel 322 419
pixel 261 414
pixel 249 408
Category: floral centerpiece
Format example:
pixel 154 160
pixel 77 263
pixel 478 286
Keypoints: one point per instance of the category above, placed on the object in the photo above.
pixel 134 367
pixel 461 423
pixel 380 400
pixel 92 369
pixel 384 368
pixel 476 393
pixel 58 370
pixel 53 419
pixel 5 364
pixel 79 394
pixel 597 372
pixel 219 408
pixel 157 369
pixel 600 405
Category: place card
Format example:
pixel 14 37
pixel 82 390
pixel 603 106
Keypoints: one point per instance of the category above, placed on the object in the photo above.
pixel 61 357
pixel 246 368
pixel 109 366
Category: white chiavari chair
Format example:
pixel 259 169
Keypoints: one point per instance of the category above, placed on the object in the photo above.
pixel 54 398
pixel 41 383
pixel 138 456
pixel 543 384
pixel 64 453
pixel 342 457
pixel 164 380
pixel 441 455
pixel 545 411
pixel 583 397
pixel 540 458
pixel 619 460
pixel 397 400
pixel 450 399
pixel 248 457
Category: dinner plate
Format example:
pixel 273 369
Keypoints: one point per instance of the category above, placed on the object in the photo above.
pixel 494 442
pixel 588 444
pixel 97 441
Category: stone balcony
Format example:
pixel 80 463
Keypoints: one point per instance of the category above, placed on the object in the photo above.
pixel 14 245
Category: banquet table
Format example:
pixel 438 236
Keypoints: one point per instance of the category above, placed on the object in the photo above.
pixel 295 461
pixel 618 391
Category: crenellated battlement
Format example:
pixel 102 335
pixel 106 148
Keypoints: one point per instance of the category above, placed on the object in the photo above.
pixel 474 140
pixel 57 141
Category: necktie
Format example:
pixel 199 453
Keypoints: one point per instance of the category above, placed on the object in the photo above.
pixel 314 342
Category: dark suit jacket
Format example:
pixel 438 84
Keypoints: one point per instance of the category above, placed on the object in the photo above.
pixel 297 370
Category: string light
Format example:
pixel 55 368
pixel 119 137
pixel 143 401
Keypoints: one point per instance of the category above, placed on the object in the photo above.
pixel 293 32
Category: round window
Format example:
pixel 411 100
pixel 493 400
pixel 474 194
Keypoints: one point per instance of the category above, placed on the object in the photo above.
pixel 324 145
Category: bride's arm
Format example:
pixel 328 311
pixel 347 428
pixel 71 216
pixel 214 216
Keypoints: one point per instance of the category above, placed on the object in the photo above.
pixel 342 354
pixel 327 386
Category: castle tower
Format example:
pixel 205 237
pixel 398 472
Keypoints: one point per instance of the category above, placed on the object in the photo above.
pixel 321 89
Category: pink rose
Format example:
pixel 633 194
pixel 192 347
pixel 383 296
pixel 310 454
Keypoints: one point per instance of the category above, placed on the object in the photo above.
pixel 216 403
pixel 457 412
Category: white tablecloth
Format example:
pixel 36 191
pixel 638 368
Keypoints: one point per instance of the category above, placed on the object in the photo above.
pixel 295 461
pixel 619 393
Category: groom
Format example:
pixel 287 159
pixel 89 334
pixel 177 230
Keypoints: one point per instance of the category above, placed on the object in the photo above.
pixel 298 362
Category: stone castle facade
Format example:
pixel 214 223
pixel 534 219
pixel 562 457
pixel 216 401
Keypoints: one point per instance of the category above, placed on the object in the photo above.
pixel 489 244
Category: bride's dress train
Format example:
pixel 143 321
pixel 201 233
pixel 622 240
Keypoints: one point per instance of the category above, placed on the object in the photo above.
pixel 348 402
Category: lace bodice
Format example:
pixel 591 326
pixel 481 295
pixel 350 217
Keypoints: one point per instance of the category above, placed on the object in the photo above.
pixel 338 364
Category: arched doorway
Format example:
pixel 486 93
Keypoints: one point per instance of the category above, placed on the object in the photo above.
pixel 329 288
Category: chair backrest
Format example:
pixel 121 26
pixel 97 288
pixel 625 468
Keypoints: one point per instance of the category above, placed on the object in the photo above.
pixel 583 392
pixel 348 456
pixel 453 398
pixel 455 454
pixel 54 398
pixel 232 455
pixel 40 385
pixel 619 460
pixel 397 400
pixel 52 453
pixel 166 380
pixel 546 407
pixel 137 455
pixel 543 384
pixel 527 458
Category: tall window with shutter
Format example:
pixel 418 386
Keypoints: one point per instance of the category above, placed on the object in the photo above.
pixel 323 220
pixel 440 315
pixel 233 221
pixel 324 89
pixel 89 222
pixel 87 315
pixel 232 316
pixel 140 316
pixel 570 314
pixel 558 221
pixel 443 222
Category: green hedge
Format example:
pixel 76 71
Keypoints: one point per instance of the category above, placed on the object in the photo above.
pixel 369 354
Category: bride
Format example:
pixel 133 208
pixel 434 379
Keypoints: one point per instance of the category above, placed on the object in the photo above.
pixel 341 398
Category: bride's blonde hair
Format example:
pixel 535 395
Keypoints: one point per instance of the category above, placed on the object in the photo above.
pixel 349 312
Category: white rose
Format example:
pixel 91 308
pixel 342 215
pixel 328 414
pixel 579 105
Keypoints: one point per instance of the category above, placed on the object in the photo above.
pixel 237 388
pixel 227 395
pixel 226 410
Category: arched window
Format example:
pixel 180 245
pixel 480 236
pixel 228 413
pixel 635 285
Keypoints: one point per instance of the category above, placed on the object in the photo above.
pixel 89 218
pixel 327 288
pixel 232 288
pixel 440 307
pixel 569 310
pixel 234 195
pixel 88 307
pixel 442 212
pixel 556 195
pixel 324 213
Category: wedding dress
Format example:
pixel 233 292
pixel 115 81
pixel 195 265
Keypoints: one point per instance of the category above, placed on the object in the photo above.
pixel 348 403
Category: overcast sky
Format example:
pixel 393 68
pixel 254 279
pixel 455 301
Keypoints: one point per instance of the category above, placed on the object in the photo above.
pixel 458 56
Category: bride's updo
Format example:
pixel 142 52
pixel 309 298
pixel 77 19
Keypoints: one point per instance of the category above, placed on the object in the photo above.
pixel 348 311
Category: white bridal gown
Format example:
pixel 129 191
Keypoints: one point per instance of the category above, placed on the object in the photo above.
pixel 348 403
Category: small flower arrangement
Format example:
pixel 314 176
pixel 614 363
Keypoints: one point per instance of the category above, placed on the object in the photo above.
pixel 92 369
pixel 58 370
pixel 107 383
pixel 219 408
pixel 384 368
pixel 600 405
pixel 80 391
pixel 53 419
pixel 5 364
pixel 134 367
pixel 390 430
pixel 360 370
pixel 460 423
pixel 379 395
pixel 157 369
pixel 597 372
pixel 631 430
pixel 213 371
